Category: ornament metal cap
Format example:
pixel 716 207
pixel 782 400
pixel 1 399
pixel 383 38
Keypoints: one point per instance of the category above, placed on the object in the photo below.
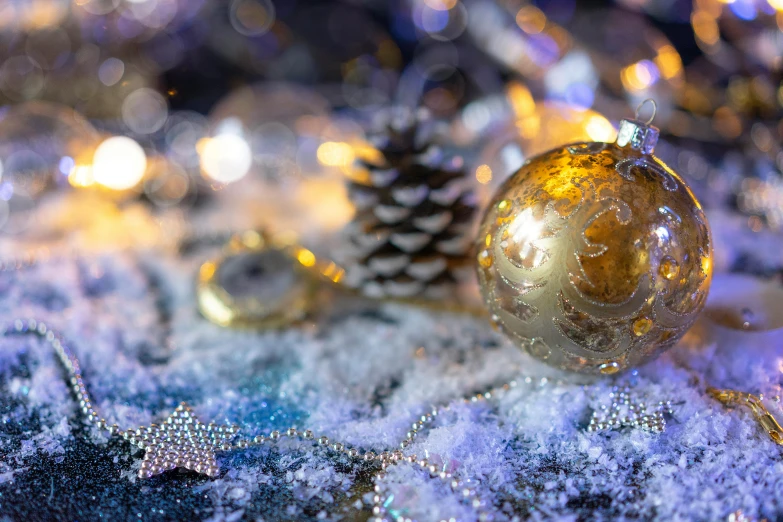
pixel 637 134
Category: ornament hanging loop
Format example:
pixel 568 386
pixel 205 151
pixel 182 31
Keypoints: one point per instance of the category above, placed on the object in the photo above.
pixel 641 106
pixel 639 135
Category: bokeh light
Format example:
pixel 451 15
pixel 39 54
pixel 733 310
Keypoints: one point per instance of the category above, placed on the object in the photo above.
pixel 493 71
pixel 81 176
pixel 640 76
pixel 599 128
pixel 145 111
pixel 252 17
pixel 483 174
pixel 119 163
pixel 111 71
pixel 182 132
pixel 167 183
pixel 39 144
pixel 439 22
pixel 32 15
pixel 225 158
pixel 669 62
pixel 98 7
pixel 531 19
pixel 21 78
pixel 335 154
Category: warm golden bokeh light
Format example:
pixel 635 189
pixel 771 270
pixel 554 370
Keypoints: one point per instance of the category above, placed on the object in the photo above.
pixel 225 158
pixel 705 27
pixel 119 163
pixel 531 19
pixel 600 129
pixel 389 54
pixel 521 99
pixel 639 76
pixel 32 14
pixel 335 154
pixel 727 122
pixel 81 176
pixel 367 152
pixel 668 62
pixel 305 257
pixel 529 126
pixel 483 174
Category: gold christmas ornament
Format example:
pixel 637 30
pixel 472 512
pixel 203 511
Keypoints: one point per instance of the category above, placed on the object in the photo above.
pixel 259 282
pixel 595 257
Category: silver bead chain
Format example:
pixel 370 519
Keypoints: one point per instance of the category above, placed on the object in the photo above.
pixel 183 441
pixel 195 441
pixel 68 360
pixel 464 488
pixel 200 458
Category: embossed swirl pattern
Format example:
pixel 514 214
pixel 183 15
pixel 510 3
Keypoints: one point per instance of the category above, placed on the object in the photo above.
pixel 594 257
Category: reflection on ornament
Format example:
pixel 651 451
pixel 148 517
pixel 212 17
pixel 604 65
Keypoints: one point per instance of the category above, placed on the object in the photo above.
pixel 669 267
pixel 534 129
pixel 599 251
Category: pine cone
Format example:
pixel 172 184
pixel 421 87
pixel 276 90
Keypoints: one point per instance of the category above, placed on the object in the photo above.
pixel 414 213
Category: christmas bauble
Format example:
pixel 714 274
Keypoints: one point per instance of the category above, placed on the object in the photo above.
pixel 595 257
pixel 260 282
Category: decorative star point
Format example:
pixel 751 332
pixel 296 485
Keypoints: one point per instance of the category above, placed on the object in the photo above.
pixel 626 411
pixel 182 441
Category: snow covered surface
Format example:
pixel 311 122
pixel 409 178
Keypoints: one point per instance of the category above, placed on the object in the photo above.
pixel 361 373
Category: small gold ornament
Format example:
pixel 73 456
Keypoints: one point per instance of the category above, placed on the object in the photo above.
pixel 259 282
pixel 595 257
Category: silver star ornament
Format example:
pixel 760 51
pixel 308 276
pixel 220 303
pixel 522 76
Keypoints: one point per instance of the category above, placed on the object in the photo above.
pixel 181 442
pixel 626 411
